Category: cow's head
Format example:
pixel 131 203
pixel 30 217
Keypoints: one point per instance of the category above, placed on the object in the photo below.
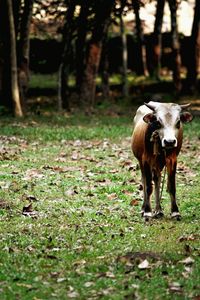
pixel 167 119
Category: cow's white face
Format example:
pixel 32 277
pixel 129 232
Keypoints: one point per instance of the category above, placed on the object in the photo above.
pixel 167 119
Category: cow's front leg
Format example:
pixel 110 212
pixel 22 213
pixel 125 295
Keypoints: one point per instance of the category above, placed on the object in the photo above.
pixel 147 190
pixel 158 209
pixel 171 188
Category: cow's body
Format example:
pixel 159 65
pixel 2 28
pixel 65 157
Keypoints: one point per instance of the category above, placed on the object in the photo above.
pixel 156 143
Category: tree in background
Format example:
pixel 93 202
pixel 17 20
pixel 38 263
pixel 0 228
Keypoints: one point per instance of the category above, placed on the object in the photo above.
pixel 63 73
pixel 142 69
pixel 102 11
pixel 15 19
pixel 10 96
pixel 193 67
pixel 124 49
pixel 23 50
pixel 176 58
pixel 157 40
pixel 105 69
pixel 81 41
pixel 85 40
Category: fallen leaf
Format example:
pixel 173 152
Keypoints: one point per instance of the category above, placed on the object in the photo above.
pixel 88 284
pixel 112 196
pixel 80 262
pixel 28 208
pixel 73 294
pixel 33 173
pixel 134 202
pixel 28 286
pixel 144 265
pixel 175 287
pixel 28 211
pixel 29 198
pixel 4 204
pixel 70 192
pixel 59 280
pixel 191 237
pixel 188 261
pixel 107 274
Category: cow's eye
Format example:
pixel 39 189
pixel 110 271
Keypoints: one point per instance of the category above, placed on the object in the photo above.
pixel 158 124
pixel 178 123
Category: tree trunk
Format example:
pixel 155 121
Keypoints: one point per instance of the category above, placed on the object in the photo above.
pixel 2 25
pixel 124 57
pixel 63 73
pixel 14 88
pixel 193 67
pixel 142 65
pixel 157 39
pixel 101 23
pixel 81 43
pixel 88 87
pixel 105 69
pixel 17 7
pixel 23 50
pixel 175 48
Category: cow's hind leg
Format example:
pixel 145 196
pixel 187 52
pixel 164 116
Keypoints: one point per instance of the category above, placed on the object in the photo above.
pixel 171 188
pixel 147 190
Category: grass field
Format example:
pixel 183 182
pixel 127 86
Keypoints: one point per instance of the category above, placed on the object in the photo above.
pixel 70 224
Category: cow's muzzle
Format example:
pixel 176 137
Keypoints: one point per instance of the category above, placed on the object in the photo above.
pixel 169 143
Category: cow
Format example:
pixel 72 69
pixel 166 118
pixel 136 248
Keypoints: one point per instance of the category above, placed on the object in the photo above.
pixel 156 142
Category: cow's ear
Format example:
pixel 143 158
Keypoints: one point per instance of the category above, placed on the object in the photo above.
pixel 186 117
pixel 149 118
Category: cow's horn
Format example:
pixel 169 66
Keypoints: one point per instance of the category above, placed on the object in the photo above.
pixel 184 106
pixel 150 106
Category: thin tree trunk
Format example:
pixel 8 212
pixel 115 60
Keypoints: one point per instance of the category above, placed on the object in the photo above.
pixel 140 40
pixel 101 23
pixel 175 47
pixel 24 49
pixel 193 67
pixel 13 63
pixel 2 25
pixel 63 73
pixel 81 43
pixel 124 58
pixel 105 70
pixel 157 38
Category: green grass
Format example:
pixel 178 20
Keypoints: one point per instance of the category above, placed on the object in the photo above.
pixel 83 237
pixel 50 80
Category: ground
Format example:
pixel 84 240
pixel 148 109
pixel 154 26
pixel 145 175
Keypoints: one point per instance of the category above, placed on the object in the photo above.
pixel 70 200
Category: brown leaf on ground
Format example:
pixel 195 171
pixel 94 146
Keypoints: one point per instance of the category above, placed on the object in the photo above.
pixel 191 237
pixel 138 257
pixel 134 202
pixel 28 211
pixel 187 261
pixel 175 287
pixel 4 204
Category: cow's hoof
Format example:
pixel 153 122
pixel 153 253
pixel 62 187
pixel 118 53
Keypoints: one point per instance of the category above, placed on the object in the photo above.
pixel 158 214
pixel 176 216
pixel 147 215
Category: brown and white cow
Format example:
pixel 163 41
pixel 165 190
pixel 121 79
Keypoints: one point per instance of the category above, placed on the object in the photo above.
pixel 156 143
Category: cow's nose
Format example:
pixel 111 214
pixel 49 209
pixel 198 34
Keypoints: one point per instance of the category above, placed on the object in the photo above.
pixel 170 143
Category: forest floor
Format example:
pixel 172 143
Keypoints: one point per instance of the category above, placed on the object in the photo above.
pixel 70 203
